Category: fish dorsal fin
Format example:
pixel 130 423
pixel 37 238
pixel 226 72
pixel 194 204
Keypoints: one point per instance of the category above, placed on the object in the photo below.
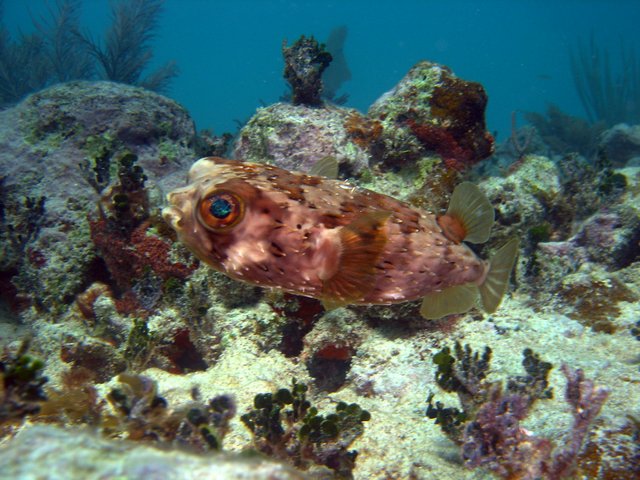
pixel 361 243
pixel 456 299
pixel 325 167
pixel 495 285
pixel 469 217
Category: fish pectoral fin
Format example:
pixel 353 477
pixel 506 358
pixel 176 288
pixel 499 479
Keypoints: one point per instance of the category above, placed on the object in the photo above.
pixel 456 299
pixel 330 305
pixel 325 167
pixel 469 217
pixel 495 284
pixel 361 243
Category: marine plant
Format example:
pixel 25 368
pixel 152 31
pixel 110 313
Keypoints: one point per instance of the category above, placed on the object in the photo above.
pixel 126 203
pixel 564 133
pixel 134 253
pixel 66 58
pixel 363 131
pixel 57 51
pixel 286 426
pixel 126 51
pixel 209 423
pixel 608 95
pixel 488 428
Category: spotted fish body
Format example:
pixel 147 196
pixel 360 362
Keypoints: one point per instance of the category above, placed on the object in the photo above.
pixel 327 239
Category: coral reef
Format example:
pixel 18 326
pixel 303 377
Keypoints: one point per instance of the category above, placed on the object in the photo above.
pixel 143 343
pixel 429 113
pixel 621 144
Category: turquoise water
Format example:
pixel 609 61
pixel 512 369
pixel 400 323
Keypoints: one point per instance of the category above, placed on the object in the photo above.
pixel 229 52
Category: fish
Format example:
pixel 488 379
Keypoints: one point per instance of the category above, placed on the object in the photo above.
pixel 328 239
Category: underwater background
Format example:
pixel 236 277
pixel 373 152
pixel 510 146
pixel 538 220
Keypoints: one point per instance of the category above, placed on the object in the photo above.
pixel 123 354
pixel 229 57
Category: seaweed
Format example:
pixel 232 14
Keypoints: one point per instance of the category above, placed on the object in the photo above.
pixel 564 133
pixel 286 426
pixel 51 54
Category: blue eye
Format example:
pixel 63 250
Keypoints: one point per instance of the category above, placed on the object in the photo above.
pixel 221 210
pixel 220 207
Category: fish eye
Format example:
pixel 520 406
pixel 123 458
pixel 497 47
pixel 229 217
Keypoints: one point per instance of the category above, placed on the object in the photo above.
pixel 220 210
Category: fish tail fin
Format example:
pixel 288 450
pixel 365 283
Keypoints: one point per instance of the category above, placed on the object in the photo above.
pixel 469 217
pixel 495 284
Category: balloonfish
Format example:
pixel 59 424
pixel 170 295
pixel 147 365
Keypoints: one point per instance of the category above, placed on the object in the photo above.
pixel 328 239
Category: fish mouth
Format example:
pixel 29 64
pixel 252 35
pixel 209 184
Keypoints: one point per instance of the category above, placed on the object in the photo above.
pixel 173 216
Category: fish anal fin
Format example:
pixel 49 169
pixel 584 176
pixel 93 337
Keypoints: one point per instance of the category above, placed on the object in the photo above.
pixel 455 299
pixel 497 281
pixel 470 215
pixel 361 243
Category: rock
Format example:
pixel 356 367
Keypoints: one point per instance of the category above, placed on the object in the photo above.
pixel 621 143
pixel 611 238
pixel 432 110
pixel 50 453
pixel 295 137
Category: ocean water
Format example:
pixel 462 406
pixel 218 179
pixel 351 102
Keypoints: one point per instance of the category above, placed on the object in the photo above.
pixel 229 52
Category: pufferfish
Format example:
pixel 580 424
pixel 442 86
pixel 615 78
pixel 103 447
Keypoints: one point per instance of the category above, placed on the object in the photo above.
pixel 328 239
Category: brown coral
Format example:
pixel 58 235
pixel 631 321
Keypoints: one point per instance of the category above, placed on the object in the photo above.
pixel 363 131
